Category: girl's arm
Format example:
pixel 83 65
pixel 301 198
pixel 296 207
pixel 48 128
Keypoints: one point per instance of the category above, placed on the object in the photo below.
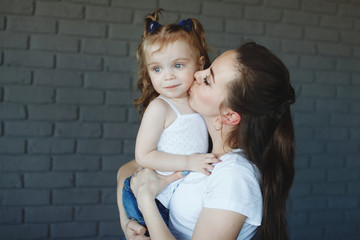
pixel 156 117
pixel 131 229
pixel 212 224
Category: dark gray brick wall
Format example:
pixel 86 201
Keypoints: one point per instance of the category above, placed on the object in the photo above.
pixel 67 70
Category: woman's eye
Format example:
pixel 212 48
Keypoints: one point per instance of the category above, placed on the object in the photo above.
pixel 178 65
pixel 206 81
pixel 157 69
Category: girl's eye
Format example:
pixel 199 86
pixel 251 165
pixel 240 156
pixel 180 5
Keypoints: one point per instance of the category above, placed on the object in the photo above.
pixel 157 69
pixel 178 65
pixel 206 81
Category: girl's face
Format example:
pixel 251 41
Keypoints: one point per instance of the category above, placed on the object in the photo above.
pixel 171 69
pixel 209 89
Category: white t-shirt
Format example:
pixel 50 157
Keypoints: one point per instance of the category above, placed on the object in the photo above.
pixel 233 185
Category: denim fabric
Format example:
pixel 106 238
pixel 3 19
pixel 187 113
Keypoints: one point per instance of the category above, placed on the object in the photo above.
pixel 132 209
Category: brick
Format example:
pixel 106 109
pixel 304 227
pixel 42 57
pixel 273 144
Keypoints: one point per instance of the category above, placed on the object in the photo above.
pixel 107 229
pixel 29 94
pixel 61 10
pixel 310 175
pixel 328 161
pixel 352 161
pixel 347 147
pixel 285 31
pixel 107 81
pixel 25 197
pixel 300 190
pixel 28 59
pixel 354 188
pixel 186 6
pixel 21 128
pixel 318 63
pixel 118 98
pixel 331 133
pixel 349 10
pixel 108 196
pixel 75 196
pixel 96 179
pixel 78 62
pixel 347 92
pixel 335 78
pixel 24 163
pixel 25 7
pixel 336 22
pixel 73 229
pixel 226 40
pixel 330 105
pixel 10 215
pixel 325 217
pixel 129 147
pixel 50 146
pixel 319 91
pixel 11 146
pixel 222 9
pixel 23 231
pixel 329 189
pixel 344 120
pixel 303 104
pixel 104 47
pixel 76 163
pixel 244 27
pixel 300 75
pixel 54 43
pixel 133 116
pixel 48 180
pixel 57 78
pixel 52 112
pixel 77 130
pixel 12 40
pixel 150 4
pixel 120 64
pixel 303 47
pixel 81 96
pixel 322 34
pixel 348 64
pixel 304 133
pixel 2 22
pixel 343 202
pixel 350 37
pixel 12 111
pixel 309 203
pixel 31 24
pixel 108 14
pixel 90 2
pixel 293 4
pixel 301 18
pixel 96 213
pixel 122 130
pixel 261 14
pixel 113 163
pixel 99 146
pixel 116 31
pixel 343 174
pixel 319 6
pixel 305 232
pixel 355 134
pixel 15 76
pixel 336 231
pixel 48 214
pixel 101 114
pixel 310 147
pixel 78 28
pixel 296 219
pixel 10 180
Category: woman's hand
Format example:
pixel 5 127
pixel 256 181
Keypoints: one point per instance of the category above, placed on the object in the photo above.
pixel 146 184
pixel 135 231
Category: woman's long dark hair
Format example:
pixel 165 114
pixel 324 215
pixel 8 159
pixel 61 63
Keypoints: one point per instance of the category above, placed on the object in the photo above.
pixel 262 95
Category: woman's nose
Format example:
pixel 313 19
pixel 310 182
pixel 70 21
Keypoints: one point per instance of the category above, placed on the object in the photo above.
pixel 197 76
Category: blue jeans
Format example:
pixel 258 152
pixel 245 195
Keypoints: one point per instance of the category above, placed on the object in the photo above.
pixel 132 209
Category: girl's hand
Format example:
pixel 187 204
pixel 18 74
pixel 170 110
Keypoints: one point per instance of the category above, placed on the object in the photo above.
pixel 146 184
pixel 135 231
pixel 202 163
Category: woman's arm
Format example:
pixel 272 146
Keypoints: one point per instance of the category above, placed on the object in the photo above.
pixel 155 120
pixel 131 229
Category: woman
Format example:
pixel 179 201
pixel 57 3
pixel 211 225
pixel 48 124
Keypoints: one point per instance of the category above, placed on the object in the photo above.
pixel 245 99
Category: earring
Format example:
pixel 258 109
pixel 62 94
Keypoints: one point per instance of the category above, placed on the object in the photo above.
pixel 217 125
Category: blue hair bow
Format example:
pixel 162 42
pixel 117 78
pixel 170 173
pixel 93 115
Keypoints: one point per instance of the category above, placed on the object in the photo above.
pixel 154 26
pixel 186 24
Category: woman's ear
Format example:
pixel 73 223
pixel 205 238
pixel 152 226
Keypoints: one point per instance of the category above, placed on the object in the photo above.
pixel 202 62
pixel 231 118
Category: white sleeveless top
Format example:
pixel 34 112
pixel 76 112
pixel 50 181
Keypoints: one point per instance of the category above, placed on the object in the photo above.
pixel 185 136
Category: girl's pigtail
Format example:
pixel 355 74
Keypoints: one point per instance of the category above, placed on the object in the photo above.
pixel 150 18
pixel 199 32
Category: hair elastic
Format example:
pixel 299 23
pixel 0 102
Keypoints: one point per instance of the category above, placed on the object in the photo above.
pixel 154 26
pixel 186 24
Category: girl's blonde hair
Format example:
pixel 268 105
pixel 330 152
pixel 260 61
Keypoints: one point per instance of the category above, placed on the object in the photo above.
pixel 164 35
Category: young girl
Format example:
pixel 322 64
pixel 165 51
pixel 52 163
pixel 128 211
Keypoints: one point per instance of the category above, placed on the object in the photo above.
pixel 172 136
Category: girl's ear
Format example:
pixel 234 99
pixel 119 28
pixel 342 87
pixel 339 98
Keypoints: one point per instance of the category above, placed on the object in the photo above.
pixel 202 62
pixel 231 118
